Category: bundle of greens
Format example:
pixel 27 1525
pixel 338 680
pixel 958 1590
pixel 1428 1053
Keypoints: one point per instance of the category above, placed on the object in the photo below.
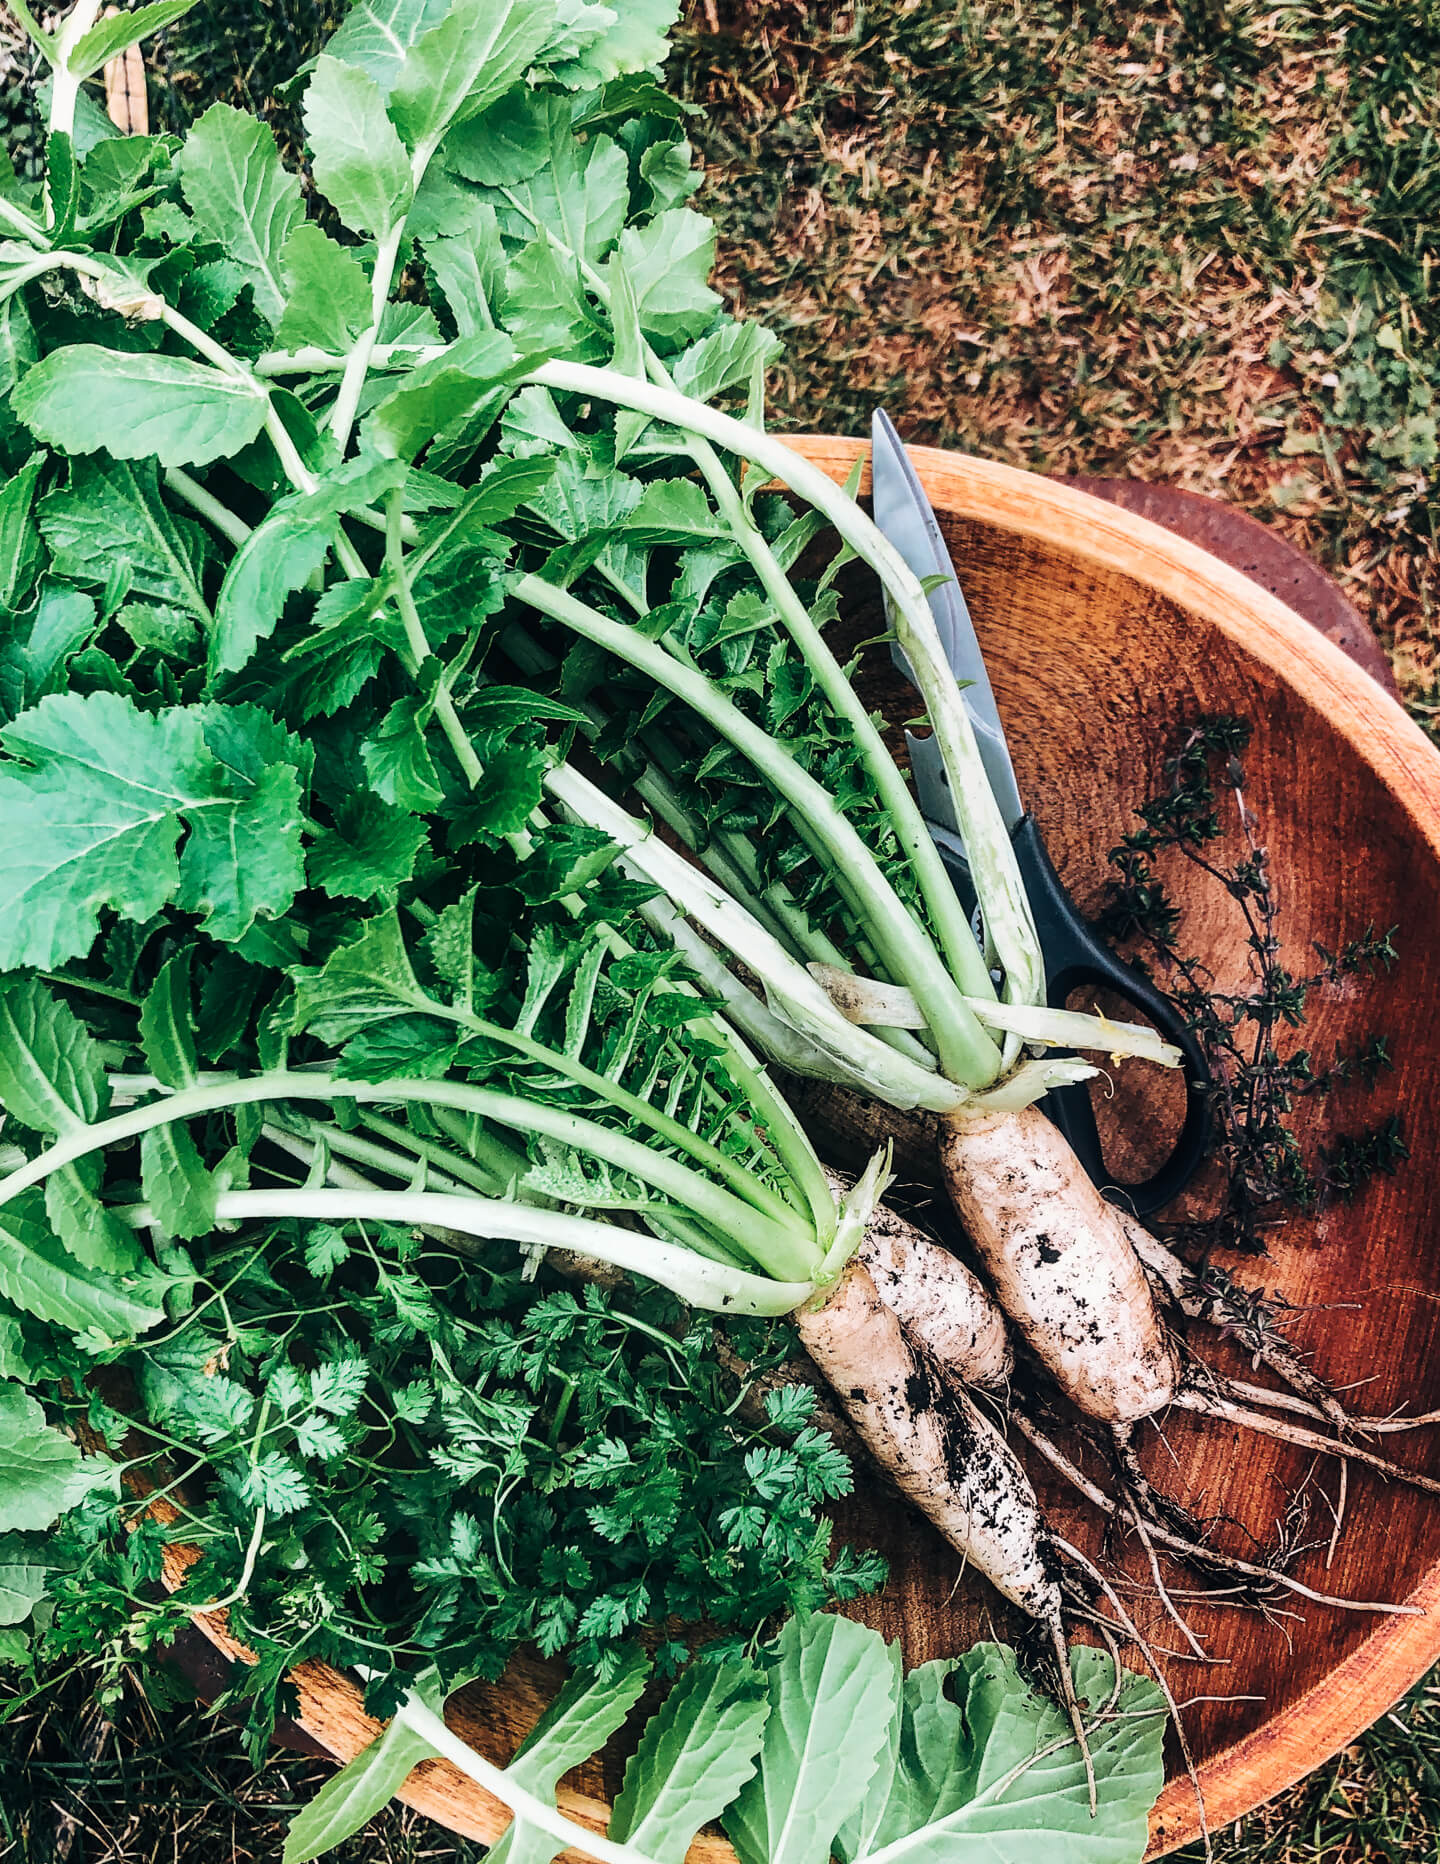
pixel 368 563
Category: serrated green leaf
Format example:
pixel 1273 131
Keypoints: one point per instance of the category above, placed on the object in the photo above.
pixel 636 38
pixel 167 1024
pixel 834 1691
pixel 728 358
pixel 579 197
pixel 510 140
pixel 23 1576
pixel 91 1233
pixel 465 63
pixel 367 979
pixel 669 261
pixel 92 815
pixel 989 1773
pixel 470 271
pixel 113 508
pixel 176 1185
pixel 284 551
pixel 242 198
pixel 116 34
pixel 359 161
pixel 42 1474
pixel 19 539
pixel 16 1361
pixel 375 35
pixel 52 1077
pixel 397 759
pixel 64 620
pixel 350 1798
pixel 440 393
pixel 546 309
pixel 327 300
pixel 39 1277
pixel 577 1724
pixel 370 852
pixel 695 1754
pixel 83 399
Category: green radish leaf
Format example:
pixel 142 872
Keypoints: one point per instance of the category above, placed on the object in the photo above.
pixel 52 1077
pixel 23 1576
pixel 167 1024
pixel 669 261
pixel 677 512
pixel 362 982
pixel 629 357
pixel 63 621
pixel 441 393
pixel 470 271
pixel 82 398
pixel 637 40
pixel 328 295
pixel 579 197
pixel 19 539
pixel 350 1798
pixel 695 1754
pixel 242 198
pixel 40 1278
pixel 15 1359
pixel 728 358
pixel 117 34
pixel 375 35
pixel 545 308
pixel 112 509
pixel 91 812
pixel 834 1691
pixel 291 544
pixel 577 1724
pixel 397 759
pixel 994 1776
pixel 465 63
pixel 63 179
pixel 501 708
pixel 371 850
pixel 177 1187
pixel 510 140
pixel 42 1474
pixel 91 1233
pixel 359 160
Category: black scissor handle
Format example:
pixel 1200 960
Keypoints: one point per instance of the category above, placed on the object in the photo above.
pixel 1075 957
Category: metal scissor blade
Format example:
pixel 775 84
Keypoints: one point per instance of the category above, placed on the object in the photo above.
pixel 904 514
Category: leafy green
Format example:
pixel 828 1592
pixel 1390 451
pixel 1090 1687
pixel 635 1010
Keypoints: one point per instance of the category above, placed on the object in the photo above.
pixel 833 1692
pixel 242 198
pixel 112 510
pixel 38 1276
pixel 51 1075
pixel 85 399
pixel 477 51
pixel 360 162
pixel 91 813
pixel 42 1474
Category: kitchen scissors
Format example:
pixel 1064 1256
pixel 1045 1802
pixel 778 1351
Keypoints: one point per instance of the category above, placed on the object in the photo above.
pixel 1074 957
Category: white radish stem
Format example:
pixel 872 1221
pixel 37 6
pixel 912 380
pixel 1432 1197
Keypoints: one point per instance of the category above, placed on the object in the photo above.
pixel 1061 1262
pixel 944 1457
pixel 941 1303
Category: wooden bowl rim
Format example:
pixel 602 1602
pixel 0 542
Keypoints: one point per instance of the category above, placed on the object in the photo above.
pixel 1399 1652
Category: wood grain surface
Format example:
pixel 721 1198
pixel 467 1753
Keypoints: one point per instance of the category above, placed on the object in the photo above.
pixel 1105 635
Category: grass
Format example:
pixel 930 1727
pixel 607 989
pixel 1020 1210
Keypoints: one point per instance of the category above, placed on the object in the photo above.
pixel 1188 241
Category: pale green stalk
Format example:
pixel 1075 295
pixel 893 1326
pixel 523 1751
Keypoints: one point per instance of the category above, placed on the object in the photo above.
pixel 358 363
pixel 968 1055
pixel 693 1278
pixel 785 1251
pixel 65 83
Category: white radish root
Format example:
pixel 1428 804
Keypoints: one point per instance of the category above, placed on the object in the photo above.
pixel 929 1439
pixel 1061 1262
pixel 941 1303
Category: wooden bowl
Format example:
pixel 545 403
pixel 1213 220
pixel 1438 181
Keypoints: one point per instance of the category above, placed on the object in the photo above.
pixel 1105 635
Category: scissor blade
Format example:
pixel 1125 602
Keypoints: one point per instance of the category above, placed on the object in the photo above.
pixel 906 517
